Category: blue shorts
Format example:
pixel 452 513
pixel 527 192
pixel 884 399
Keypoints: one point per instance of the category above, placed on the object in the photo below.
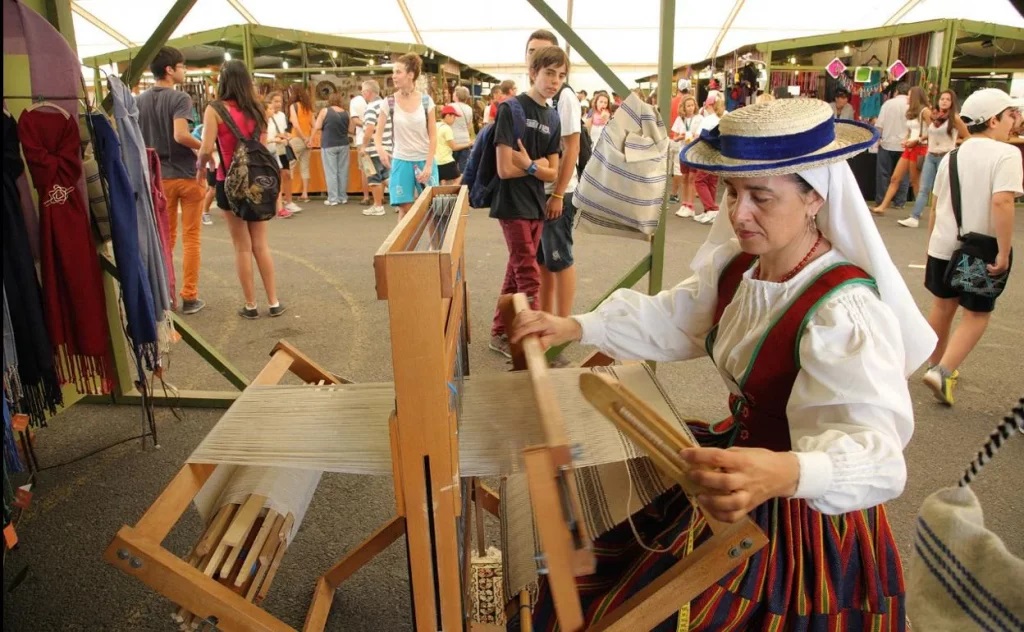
pixel 555 250
pixel 403 188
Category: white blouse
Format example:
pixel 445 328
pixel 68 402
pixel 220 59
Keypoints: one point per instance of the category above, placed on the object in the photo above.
pixel 850 413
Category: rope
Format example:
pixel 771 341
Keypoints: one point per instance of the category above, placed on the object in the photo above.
pixel 1014 421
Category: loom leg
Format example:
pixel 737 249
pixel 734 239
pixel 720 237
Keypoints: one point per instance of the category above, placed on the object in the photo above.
pixel 323 594
pixel 135 554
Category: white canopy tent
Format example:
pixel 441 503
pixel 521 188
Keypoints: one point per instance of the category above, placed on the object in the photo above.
pixel 490 36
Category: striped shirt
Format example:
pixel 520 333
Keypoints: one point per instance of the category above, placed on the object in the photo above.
pixel 370 118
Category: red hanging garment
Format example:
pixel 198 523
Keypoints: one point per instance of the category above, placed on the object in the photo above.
pixel 163 229
pixel 72 284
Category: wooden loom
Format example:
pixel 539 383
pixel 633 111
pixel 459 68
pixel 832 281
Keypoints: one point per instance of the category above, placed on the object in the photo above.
pixel 420 270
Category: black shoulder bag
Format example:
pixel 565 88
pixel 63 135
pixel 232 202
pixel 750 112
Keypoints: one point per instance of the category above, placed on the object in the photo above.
pixel 967 270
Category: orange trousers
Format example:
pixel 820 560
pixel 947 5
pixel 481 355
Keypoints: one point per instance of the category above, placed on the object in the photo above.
pixel 189 193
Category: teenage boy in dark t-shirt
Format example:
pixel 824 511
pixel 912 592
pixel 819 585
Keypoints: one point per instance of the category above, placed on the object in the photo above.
pixel 524 165
pixel 164 117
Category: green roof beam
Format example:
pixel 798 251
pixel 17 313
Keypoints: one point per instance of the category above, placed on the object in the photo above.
pixel 202 38
pixel 336 41
pixel 897 30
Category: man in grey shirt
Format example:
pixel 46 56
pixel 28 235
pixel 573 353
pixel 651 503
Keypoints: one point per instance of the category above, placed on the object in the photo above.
pixel 164 116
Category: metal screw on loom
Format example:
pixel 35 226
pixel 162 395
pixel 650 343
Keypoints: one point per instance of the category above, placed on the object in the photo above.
pixel 135 563
pixel 577 451
pixel 542 567
pixel 122 554
pixel 734 552
pixel 746 543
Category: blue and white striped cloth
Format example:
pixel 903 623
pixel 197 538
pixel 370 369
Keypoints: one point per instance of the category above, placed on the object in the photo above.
pixel 961 576
pixel 622 187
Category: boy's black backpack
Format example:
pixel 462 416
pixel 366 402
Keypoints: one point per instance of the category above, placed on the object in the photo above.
pixel 586 144
pixel 482 169
pixel 253 181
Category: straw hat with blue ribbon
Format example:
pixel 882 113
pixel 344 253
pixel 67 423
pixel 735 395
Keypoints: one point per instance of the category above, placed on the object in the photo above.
pixel 778 137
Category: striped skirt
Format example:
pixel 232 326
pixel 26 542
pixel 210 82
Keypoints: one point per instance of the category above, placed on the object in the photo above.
pixel 818 572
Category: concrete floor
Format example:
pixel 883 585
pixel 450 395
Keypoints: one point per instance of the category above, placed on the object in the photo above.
pixel 323 260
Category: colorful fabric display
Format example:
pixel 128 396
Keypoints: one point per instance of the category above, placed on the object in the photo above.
pixel 133 154
pixel 33 360
pixel 136 292
pixel 76 316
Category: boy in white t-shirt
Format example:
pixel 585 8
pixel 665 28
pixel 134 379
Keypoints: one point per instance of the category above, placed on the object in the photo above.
pixel 555 254
pixel 990 173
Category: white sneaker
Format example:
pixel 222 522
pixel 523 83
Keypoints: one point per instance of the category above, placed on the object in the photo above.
pixel 684 212
pixel 376 211
pixel 293 207
pixel 707 218
pixel 697 217
pixel 910 222
pixel 331 203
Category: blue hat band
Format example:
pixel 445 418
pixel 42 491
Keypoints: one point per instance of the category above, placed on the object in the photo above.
pixel 772 147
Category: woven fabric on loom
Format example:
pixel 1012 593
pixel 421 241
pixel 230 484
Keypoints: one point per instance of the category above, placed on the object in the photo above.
pixel 605 490
pixel 344 428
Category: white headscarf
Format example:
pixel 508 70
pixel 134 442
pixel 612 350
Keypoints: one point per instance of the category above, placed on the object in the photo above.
pixel 845 221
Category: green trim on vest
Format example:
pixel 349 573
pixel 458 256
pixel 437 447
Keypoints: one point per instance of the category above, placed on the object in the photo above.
pixel 869 282
pixel 760 343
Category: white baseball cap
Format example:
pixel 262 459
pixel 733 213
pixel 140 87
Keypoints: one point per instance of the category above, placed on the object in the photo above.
pixel 986 103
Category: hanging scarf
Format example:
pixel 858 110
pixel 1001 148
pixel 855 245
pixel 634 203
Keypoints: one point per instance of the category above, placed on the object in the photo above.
pixel 40 388
pixel 133 153
pixel 136 293
pixel 76 316
pixel 163 228
pixel 12 381
pixel 12 461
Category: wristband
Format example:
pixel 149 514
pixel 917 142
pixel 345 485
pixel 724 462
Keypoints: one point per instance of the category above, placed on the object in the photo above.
pixel 557 195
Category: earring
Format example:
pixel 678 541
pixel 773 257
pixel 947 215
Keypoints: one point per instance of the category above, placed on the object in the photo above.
pixel 812 223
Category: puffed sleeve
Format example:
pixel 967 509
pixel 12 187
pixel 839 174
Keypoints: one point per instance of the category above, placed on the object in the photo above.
pixel 850 411
pixel 665 327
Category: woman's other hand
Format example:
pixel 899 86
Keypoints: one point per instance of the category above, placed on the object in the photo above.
pixel 740 479
pixel 550 330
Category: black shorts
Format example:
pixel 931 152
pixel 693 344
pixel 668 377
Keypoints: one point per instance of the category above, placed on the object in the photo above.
pixel 283 159
pixel 222 197
pixel 382 174
pixel 211 178
pixel 935 282
pixel 448 171
pixel 555 250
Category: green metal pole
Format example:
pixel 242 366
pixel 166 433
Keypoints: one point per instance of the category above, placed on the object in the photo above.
pixel 156 41
pixel 247 52
pixel 587 53
pixel 948 51
pixel 665 50
pixel 97 84
pixel 305 64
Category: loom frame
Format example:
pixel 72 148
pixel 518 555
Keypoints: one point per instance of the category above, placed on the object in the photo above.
pixel 428 306
pixel 138 550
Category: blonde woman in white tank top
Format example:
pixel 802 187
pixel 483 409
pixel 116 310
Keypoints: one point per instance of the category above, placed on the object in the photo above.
pixel 945 130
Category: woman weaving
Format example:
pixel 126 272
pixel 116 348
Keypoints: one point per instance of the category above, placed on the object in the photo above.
pixel 813 330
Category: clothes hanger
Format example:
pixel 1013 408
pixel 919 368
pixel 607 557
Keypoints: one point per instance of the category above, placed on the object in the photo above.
pixel 48 104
